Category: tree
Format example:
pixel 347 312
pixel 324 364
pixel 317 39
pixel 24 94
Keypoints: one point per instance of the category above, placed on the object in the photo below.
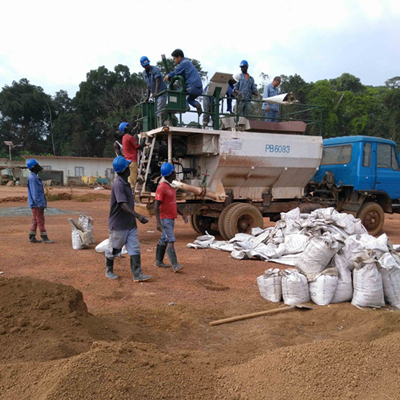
pixel 393 83
pixel 347 82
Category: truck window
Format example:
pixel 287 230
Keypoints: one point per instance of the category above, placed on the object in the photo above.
pixel 395 161
pixel 384 159
pixel 336 155
pixel 367 155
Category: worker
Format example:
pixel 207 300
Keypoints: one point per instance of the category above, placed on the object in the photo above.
pixel 118 148
pixel 122 223
pixel 271 110
pixel 37 202
pixel 246 88
pixel 153 78
pixel 166 212
pixel 229 95
pixel 208 102
pixel 130 145
pixel 194 86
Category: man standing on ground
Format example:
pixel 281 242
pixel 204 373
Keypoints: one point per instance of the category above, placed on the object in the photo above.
pixel 194 86
pixel 246 88
pixel 130 145
pixel 122 223
pixel 37 202
pixel 155 84
pixel 166 213
pixel 271 110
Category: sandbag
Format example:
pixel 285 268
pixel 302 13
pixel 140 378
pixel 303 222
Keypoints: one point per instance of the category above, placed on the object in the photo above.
pixel 102 247
pixel 80 236
pixel 86 223
pixel 390 263
pixel 323 287
pixel 367 282
pixel 270 285
pixel 344 289
pixel 316 256
pixel 294 287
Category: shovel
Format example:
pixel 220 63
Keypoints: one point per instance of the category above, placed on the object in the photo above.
pixel 259 314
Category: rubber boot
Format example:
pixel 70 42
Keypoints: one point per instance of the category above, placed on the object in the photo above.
pixel 136 268
pixel 110 269
pixel 174 261
pixel 45 239
pixel 160 252
pixel 32 237
pixel 199 110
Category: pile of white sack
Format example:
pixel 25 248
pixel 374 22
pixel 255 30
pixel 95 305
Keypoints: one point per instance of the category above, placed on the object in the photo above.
pixel 335 260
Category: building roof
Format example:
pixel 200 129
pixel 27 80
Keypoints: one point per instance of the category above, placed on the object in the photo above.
pixel 69 157
pixel 354 139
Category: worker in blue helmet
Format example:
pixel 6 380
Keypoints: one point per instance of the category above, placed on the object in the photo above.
pixel 166 212
pixel 122 223
pixel 155 84
pixel 271 110
pixel 245 88
pixel 37 202
pixel 194 85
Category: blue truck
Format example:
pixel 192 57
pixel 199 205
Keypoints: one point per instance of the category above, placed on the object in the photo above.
pixel 361 175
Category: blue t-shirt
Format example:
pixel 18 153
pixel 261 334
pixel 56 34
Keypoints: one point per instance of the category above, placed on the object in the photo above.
pixel 118 219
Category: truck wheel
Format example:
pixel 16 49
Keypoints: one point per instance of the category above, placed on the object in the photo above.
pixel 241 218
pixel 192 220
pixel 222 218
pixel 372 217
pixel 202 224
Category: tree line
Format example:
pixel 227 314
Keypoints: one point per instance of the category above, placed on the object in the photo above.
pixel 85 124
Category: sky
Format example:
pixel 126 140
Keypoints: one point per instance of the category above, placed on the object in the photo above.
pixel 55 44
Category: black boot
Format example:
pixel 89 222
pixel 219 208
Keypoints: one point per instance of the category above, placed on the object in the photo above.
pixel 174 261
pixel 160 252
pixel 136 268
pixel 43 235
pixel 32 237
pixel 110 269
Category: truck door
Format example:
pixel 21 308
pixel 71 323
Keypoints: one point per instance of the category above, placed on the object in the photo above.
pixel 387 170
pixel 366 169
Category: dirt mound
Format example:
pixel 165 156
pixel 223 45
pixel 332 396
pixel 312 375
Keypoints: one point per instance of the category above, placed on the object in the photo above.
pixel 325 369
pixel 40 320
pixel 14 199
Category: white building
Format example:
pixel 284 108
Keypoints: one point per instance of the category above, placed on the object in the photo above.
pixel 77 166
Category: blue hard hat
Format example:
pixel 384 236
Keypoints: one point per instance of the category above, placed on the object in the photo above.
pixel 123 125
pixel 31 163
pixel 120 163
pixel 166 169
pixel 144 61
pixel 244 63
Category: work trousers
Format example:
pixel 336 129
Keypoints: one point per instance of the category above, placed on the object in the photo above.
pixel 167 234
pixel 37 220
pixel 207 102
pixel 271 116
pixel 118 239
pixel 193 94
pixel 244 107
pixel 133 176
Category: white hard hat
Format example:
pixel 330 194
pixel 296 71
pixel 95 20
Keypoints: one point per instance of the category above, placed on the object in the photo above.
pixel 236 77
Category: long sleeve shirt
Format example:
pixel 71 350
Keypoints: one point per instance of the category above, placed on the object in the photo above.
pixel 246 86
pixel 189 72
pixel 269 91
pixel 36 197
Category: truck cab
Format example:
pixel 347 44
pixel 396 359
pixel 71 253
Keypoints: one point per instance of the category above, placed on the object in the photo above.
pixel 365 174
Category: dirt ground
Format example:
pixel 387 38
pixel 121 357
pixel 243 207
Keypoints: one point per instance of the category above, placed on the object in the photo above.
pixel 67 332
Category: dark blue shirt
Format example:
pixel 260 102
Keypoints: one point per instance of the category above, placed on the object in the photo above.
pixel 150 79
pixel 36 197
pixel 118 219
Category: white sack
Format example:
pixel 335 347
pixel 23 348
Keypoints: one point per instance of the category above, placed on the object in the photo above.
pixel 391 278
pixel 316 256
pixel 344 289
pixel 270 285
pixel 323 288
pixel 202 242
pixel 86 223
pixel 294 287
pixel 295 243
pixel 80 237
pixel 367 283
pixel 102 247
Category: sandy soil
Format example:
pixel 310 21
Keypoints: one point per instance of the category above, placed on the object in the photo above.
pixel 128 341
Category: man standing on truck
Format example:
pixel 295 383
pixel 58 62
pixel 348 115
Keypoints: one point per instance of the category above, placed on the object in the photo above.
pixel 166 213
pixel 271 110
pixel 122 223
pixel 131 145
pixel 153 78
pixel 37 202
pixel 194 86
pixel 246 88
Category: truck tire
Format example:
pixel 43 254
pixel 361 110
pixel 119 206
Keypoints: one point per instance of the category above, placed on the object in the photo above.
pixel 372 217
pixel 221 220
pixel 241 218
pixel 201 224
pixel 192 220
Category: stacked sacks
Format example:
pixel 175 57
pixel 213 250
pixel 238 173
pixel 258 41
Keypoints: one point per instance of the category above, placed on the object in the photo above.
pixel 270 285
